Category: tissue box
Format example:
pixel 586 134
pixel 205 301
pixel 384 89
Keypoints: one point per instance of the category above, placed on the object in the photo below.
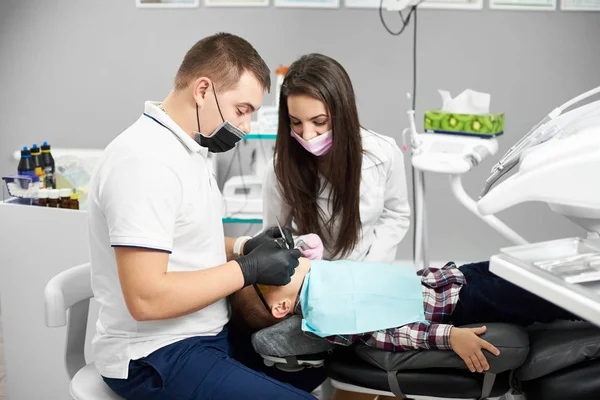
pixel 485 125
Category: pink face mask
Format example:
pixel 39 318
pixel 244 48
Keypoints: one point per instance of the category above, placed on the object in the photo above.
pixel 318 145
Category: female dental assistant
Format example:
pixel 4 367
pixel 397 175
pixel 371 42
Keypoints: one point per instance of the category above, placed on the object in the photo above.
pixel 330 176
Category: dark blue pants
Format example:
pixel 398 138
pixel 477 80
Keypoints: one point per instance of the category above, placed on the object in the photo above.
pixel 488 298
pixel 199 368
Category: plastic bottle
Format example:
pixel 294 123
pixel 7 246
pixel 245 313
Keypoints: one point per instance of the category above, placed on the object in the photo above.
pixel 36 157
pixel 65 198
pixel 43 197
pixel 75 201
pixel 48 167
pixel 53 198
pixel 26 164
pixel 280 72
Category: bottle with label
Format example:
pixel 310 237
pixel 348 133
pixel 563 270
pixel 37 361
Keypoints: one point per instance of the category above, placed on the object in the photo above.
pixel 53 198
pixel 26 163
pixel 48 167
pixel 280 73
pixel 36 157
pixel 43 197
pixel 75 201
pixel 65 198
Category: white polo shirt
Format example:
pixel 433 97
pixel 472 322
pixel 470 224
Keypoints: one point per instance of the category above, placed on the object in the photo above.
pixel 153 188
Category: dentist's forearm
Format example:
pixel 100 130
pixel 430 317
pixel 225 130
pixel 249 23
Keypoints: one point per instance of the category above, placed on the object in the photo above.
pixel 181 293
pixel 152 292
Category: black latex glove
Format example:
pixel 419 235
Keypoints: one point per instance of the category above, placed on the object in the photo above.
pixel 268 235
pixel 269 264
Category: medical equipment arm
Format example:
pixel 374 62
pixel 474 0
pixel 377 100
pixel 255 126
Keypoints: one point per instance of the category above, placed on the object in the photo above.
pixel 395 218
pixel 562 171
pixel 491 220
pixel 540 133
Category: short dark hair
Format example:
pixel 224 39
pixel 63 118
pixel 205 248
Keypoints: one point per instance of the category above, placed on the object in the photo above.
pixel 249 313
pixel 222 57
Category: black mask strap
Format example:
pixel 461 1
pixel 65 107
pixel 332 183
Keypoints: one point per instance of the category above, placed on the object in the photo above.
pixel 198 118
pixel 217 101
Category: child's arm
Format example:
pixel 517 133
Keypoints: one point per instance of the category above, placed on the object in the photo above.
pixel 422 335
pixel 427 336
pixel 468 345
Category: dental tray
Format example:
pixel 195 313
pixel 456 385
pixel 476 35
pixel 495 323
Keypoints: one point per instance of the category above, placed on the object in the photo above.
pixel 575 260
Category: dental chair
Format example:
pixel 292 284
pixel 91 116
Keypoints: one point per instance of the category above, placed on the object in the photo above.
pixel 359 368
pixel 563 362
pixel 540 362
pixel 67 298
pixel 560 165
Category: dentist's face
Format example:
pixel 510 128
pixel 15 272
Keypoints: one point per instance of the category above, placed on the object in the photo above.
pixel 236 105
pixel 309 117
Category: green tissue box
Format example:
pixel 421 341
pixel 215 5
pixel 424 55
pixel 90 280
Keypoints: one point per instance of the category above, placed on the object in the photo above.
pixel 485 126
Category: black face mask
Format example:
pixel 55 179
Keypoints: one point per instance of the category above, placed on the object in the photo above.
pixel 224 138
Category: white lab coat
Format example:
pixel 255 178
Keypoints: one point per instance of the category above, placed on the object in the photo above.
pixel 384 207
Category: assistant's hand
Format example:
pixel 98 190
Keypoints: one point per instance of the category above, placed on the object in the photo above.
pixel 468 345
pixel 269 264
pixel 313 246
pixel 268 235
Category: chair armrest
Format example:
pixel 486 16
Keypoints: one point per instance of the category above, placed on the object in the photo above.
pixel 64 290
pixel 511 340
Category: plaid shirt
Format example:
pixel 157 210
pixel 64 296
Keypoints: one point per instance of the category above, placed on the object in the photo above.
pixel 440 288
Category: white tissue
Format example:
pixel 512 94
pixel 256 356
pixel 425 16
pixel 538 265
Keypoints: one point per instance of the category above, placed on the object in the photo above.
pixel 468 102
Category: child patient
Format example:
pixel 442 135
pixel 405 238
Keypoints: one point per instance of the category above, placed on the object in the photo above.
pixel 395 308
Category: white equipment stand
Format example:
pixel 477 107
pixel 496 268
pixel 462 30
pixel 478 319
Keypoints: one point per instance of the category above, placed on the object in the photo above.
pixel 559 164
pixel 453 155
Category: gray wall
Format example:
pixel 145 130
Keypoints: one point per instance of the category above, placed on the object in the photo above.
pixel 76 73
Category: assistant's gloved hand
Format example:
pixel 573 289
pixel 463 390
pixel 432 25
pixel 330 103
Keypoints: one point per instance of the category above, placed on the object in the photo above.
pixel 268 235
pixel 269 264
pixel 312 246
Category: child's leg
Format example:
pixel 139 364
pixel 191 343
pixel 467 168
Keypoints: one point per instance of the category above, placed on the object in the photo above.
pixel 488 298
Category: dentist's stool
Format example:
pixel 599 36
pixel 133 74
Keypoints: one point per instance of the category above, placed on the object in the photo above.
pixel 69 294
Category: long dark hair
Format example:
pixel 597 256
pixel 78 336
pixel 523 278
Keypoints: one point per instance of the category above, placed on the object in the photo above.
pixel 324 79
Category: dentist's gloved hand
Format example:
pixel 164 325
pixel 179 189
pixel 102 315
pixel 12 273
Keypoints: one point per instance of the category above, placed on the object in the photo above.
pixel 269 264
pixel 312 248
pixel 268 235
